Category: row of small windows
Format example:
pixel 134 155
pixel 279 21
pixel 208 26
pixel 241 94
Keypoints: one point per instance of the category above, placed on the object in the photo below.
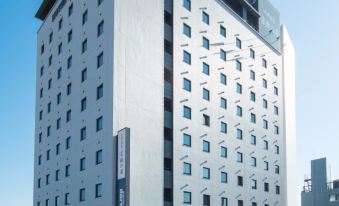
pixel 187 113
pixel 82 197
pixel 223 103
pixel 187 198
pixel 83 102
pixel 84 20
pixel 206 43
pixel 83 131
pixel 187 141
pixel 100 61
pixel 67 171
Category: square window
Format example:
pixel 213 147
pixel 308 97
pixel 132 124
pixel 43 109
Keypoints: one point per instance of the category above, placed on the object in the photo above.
pixel 265 124
pixel 276 110
pixel 239 157
pixel 98 158
pixel 187 140
pixel 252 75
pixel 84 46
pixel 239 111
pixel 239 88
pixel 187 85
pixel 82 164
pixel 100 60
pixel 187 112
pixel 100 2
pixel 187 198
pixel 70 36
pixel 59 98
pixel 264 83
pixel 277 169
pixel 187 4
pixel 264 63
pixel 187 30
pixel 60 24
pixel 253 161
pixel 83 134
pixel 264 103
pixel 205 18
pixel 277 149
pixel 206 173
pixel 50 60
pixel 266 187
pixel 187 168
pixel 100 91
pixel 98 190
pixel 223 103
pixel 206 120
pixel 239 65
pixel 69 62
pixel 253 140
pixel 222 31
pixel 276 92
pixel 266 166
pixel 100 124
pixel 265 145
pixel 67 170
pixel 252 96
pixel 223 79
pixel 277 189
pixel 83 104
pixel 275 71
pixel 222 55
pixel 205 68
pixel 187 57
pixel 252 54
pixel 100 29
pixel 276 129
pixel 254 184
pixel 205 146
pixel 60 48
pixel 82 195
pixel 42 71
pixel 68 142
pixel 223 127
pixel 68 115
pixel 206 43
pixel 70 10
pixel 253 118
pixel 50 37
pixel 240 181
pixel 84 17
pixel 239 134
pixel 59 72
pixel 67 199
pixel 224 201
pixel 84 75
pixel 238 43
pixel 223 177
pixel 206 94
pixel 223 152
pixel 206 200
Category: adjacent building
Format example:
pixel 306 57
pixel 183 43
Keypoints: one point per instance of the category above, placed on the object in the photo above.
pixel 164 102
pixel 319 190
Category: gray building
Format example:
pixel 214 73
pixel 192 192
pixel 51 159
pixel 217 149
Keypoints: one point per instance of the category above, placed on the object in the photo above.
pixel 319 191
pixel 164 102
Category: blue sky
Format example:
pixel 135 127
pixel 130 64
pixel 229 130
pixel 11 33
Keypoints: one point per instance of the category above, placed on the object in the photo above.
pixel 314 28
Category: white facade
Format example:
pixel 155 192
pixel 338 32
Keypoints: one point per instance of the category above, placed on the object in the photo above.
pixel 131 74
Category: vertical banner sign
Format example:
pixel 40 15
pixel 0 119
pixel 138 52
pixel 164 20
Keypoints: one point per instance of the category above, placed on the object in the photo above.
pixel 122 167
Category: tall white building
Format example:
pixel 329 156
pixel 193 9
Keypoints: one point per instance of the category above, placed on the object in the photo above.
pixel 164 102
